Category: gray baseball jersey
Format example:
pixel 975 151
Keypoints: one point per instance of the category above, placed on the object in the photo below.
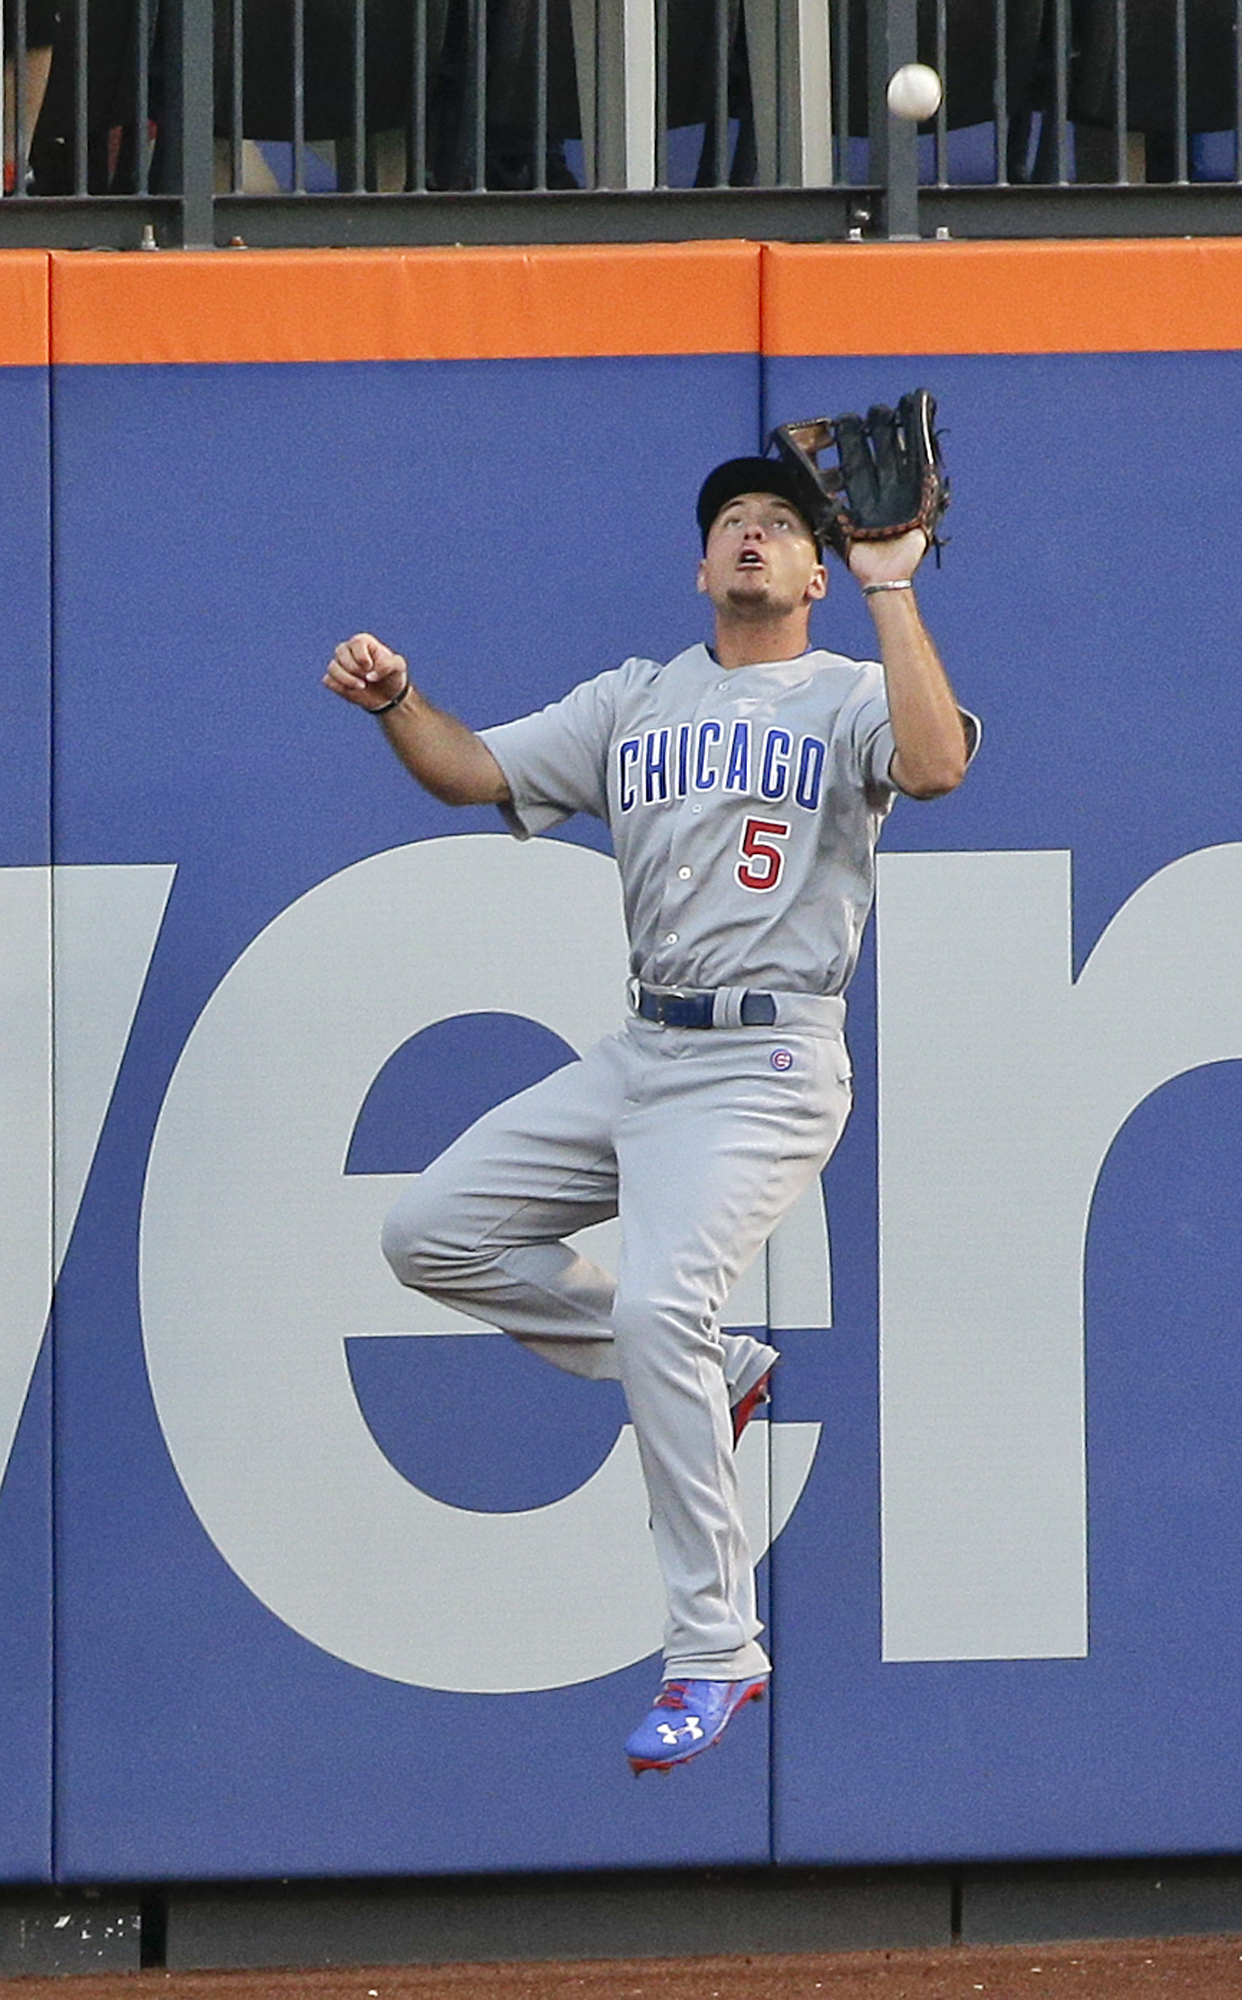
pixel 744 807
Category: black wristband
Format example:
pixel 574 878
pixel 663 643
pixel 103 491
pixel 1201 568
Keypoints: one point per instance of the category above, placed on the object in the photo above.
pixel 394 703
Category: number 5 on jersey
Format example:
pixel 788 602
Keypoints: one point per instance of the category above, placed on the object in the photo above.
pixel 761 867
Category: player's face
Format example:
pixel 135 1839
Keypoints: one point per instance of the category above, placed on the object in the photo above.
pixel 760 559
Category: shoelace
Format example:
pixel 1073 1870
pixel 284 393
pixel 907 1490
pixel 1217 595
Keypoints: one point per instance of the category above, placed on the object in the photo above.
pixel 673 1695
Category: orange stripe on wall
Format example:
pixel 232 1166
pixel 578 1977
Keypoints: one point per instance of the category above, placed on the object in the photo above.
pixel 23 309
pixel 394 305
pixel 1002 298
pixel 692 298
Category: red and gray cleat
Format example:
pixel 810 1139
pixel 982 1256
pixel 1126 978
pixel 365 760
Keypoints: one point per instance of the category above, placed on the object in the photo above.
pixel 744 1408
pixel 686 1718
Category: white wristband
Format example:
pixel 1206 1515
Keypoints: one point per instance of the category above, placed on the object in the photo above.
pixel 898 583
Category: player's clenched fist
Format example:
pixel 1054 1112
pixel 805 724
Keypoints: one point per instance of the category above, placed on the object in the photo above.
pixel 367 672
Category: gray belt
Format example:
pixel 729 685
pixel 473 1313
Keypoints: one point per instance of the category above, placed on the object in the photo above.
pixel 698 1010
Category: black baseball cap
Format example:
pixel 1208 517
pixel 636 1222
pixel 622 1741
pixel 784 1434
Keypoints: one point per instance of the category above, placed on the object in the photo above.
pixel 752 475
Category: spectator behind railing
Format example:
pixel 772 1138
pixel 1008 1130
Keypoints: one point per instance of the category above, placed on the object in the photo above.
pixel 512 85
pixel 436 144
pixel 446 124
pixel 117 127
pixel 969 64
pixel 1151 110
pixel 40 33
pixel 449 121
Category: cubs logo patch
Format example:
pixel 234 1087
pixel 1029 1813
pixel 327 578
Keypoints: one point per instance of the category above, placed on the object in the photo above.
pixel 781 1058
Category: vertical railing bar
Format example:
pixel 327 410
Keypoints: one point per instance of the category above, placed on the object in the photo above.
pixel 587 83
pixel 360 98
pixel 416 121
pixel 593 164
pixel 540 175
pixel 1121 31
pixel 1182 141
pixel 1061 90
pixel 1237 92
pixel 21 106
pixel 892 39
pixel 942 110
pixel 840 57
pixel 479 23
pixel 1000 92
pixel 661 92
pixel 142 30
pixel 834 93
pixel 720 80
pixel 237 99
pixel 784 98
pixel 299 97
pixel 81 137
pixel 190 125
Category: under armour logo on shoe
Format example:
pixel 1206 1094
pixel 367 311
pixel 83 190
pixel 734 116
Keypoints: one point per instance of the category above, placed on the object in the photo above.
pixel 658 1744
pixel 690 1729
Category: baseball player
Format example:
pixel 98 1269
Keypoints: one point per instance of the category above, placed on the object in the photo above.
pixel 745 784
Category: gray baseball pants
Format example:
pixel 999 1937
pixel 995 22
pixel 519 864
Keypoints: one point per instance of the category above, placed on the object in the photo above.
pixel 700 1140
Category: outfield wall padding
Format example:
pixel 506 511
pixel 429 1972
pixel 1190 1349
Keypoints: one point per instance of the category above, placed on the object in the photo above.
pixel 327 1582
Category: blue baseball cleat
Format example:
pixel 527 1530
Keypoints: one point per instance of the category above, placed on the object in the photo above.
pixel 687 1717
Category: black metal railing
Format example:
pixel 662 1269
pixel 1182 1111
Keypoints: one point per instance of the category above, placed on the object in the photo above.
pixel 209 122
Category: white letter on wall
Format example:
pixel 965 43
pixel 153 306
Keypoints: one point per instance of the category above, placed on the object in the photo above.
pixel 260 1257
pixel 93 930
pixel 1002 1086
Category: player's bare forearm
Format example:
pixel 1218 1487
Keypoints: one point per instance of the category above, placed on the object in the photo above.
pixel 445 756
pixel 931 753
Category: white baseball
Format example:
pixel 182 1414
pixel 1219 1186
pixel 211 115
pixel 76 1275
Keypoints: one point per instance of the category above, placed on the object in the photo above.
pixel 914 91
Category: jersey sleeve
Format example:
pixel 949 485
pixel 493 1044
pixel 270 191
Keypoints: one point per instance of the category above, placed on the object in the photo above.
pixel 875 745
pixel 871 738
pixel 555 761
